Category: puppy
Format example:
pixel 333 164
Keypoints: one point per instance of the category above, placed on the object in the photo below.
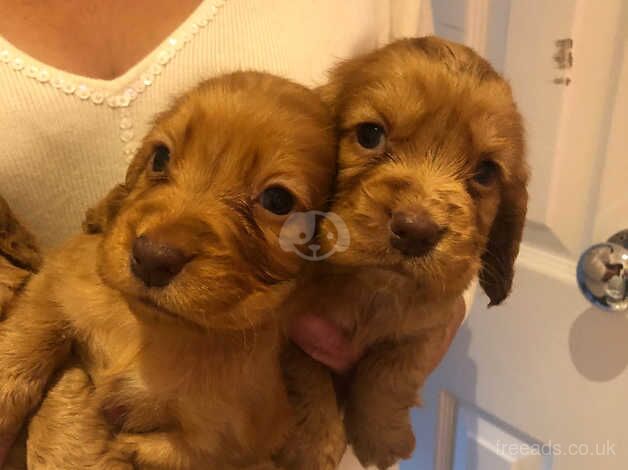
pixel 19 259
pixel 172 312
pixel 432 189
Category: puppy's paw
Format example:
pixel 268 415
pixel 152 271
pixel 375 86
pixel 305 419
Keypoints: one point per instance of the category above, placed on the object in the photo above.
pixel 315 451
pixel 123 451
pixel 378 442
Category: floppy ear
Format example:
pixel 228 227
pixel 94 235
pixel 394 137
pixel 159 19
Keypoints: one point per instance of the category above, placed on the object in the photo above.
pixel 17 244
pixel 328 94
pixel 98 218
pixel 342 79
pixel 502 248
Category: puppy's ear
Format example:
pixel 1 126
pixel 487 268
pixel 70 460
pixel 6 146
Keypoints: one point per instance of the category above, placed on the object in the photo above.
pixel 498 260
pixel 98 218
pixel 329 94
pixel 17 245
pixel 342 79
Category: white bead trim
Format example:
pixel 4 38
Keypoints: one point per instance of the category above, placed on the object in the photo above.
pixel 161 58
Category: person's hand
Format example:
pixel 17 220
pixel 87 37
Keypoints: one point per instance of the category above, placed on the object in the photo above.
pixel 328 344
pixel 324 342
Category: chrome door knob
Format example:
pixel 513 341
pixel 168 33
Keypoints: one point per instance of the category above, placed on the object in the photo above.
pixel 603 273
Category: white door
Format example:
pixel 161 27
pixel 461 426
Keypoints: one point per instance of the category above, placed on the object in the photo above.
pixel 542 382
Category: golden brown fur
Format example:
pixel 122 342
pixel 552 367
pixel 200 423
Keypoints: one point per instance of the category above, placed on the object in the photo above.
pixel 186 374
pixel 17 244
pixel 443 110
pixel 19 259
pixel 19 255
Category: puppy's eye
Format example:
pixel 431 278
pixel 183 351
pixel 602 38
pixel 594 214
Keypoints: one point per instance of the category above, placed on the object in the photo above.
pixel 277 200
pixel 370 135
pixel 486 172
pixel 161 157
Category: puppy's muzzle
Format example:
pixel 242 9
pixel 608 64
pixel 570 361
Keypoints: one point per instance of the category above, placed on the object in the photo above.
pixel 154 263
pixel 414 234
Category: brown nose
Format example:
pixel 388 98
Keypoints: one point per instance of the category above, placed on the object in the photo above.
pixel 414 234
pixel 156 264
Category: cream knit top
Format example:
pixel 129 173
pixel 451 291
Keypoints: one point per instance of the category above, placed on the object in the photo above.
pixel 67 139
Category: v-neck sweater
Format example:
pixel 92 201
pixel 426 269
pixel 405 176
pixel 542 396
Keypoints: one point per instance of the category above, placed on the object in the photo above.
pixel 67 139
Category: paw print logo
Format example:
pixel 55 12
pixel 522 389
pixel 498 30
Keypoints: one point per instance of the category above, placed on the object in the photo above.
pixel 298 235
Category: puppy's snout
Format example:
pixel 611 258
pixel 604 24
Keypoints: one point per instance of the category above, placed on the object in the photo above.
pixel 414 234
pixel 154 263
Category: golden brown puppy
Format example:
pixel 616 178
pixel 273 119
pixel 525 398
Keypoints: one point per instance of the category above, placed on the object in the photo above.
pixel 172 311
pixel 19 259
pixel 432 189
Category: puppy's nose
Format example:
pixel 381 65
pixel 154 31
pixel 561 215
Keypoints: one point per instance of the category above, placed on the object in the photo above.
pixel 156 264
pixel 414 234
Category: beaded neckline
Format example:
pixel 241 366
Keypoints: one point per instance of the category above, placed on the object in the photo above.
pixel 123 90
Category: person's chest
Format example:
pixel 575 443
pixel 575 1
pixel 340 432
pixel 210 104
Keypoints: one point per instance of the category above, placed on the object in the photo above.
pixel 91 38
pixel 69 137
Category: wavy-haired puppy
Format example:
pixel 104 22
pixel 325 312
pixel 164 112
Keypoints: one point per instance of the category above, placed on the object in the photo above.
pixel 172 310
pixel 432 188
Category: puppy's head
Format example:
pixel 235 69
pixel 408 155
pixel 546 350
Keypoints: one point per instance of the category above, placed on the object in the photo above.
pixel 192 234
pixel 432 178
